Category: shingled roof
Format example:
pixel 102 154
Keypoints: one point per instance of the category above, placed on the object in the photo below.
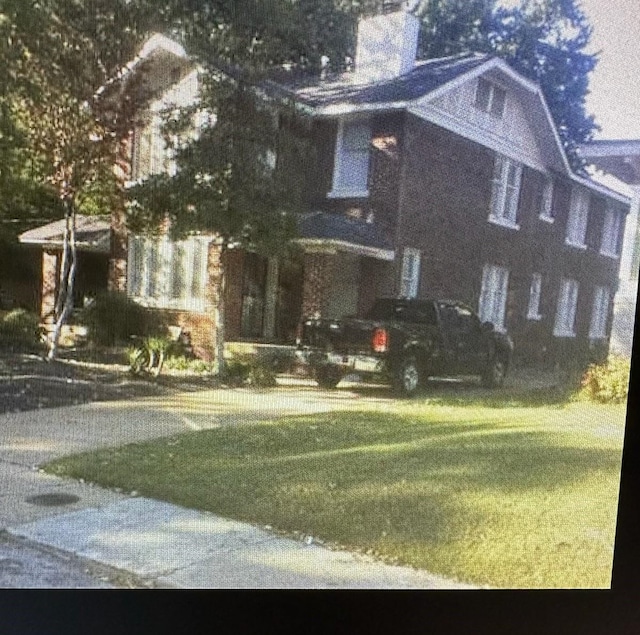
pixel 93 233
pixel 423 79
pixel 348 234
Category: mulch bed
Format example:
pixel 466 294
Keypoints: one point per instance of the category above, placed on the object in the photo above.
pixel 29 382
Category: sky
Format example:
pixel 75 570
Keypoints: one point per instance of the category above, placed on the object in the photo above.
pixel 615 83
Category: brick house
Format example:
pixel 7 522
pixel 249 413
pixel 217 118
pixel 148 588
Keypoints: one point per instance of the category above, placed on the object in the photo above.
pixel 441 178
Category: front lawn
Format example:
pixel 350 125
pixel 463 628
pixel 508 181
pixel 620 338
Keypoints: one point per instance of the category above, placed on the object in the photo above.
pixel 515 497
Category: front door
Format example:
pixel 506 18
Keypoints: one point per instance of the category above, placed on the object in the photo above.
pixel 467 342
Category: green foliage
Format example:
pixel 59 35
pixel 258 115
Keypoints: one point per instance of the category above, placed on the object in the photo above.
pixel 252 370
pixel 185 363
pixel 113 318
pixel 607 382
pixel 150 355
pixel 20 329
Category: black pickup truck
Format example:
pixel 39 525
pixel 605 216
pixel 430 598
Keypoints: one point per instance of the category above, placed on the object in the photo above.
pixel 407 341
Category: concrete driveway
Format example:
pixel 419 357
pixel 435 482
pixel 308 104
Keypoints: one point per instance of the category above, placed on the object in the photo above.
pixel 159 543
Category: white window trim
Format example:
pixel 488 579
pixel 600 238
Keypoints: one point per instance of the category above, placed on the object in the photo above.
pixel 563 309
pixel 616 220
pixel 165 254
pixel 535 294
pixel 341 192
pixel 499 190
pixel 410 279
pixel 578 195
pixel 546 212
pixel 599 313
pixel 489 310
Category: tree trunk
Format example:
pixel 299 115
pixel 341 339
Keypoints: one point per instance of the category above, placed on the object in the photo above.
pixel 218 326
pixel 64 300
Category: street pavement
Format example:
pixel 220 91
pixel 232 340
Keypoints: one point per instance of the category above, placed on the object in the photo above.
pixel 154 543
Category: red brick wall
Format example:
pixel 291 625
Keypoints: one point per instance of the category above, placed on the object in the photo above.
pixel 444 207
pixel 50 269
pixel 317 276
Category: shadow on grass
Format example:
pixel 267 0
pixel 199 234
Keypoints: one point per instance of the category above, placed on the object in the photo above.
pixel 470 393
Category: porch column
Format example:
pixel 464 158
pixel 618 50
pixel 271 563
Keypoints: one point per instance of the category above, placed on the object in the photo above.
pixel 49 285
pixel 270 300
pixel 317 279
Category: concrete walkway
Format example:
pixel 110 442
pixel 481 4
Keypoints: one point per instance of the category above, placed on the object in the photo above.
pixel 163 544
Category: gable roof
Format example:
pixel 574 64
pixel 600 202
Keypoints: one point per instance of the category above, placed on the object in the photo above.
pixel 424 78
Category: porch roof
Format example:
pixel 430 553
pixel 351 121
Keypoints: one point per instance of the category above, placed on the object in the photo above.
pixel 93 233
pixel 324 231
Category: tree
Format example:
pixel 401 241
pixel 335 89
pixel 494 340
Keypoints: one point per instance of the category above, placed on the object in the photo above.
pixel 57 55
pixel 546 42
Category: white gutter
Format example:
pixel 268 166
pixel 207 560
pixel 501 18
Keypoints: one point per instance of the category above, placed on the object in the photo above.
pixel 333 246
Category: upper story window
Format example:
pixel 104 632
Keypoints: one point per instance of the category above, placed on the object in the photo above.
pixel 410 272
pixel 150 154
pixel 578 217
pixel 507 176
pixel 490 97
pixel 168 274
pixel 611 233
pixel 546 202
pixel 351 163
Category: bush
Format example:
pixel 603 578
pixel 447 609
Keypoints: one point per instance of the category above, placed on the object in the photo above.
pixel 113 318
pixel 150 356
pixel 608 382
pixel 247 369
pixel 20 328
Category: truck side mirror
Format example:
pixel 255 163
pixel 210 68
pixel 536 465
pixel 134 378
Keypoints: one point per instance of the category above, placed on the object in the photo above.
pixel 488 327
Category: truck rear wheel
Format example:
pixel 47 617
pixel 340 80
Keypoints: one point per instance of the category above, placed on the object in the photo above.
pixel 328 376
pixel 407 378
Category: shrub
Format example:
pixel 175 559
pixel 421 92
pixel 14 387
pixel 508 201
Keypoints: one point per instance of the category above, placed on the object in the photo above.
pixel 20 328
pixel 113 318
pixel 607 382
pixel 150 355
pixel 262 374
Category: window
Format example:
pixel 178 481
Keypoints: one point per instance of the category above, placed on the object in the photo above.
pixel 410 272
pixel 490 98
pixel 168 274
pixel 599 313
pixel 507 175
pixel 611 233
pixel 535 291
pixel 578 216
pixel 546 203
pixel 351 167
pixel 493 296
pixel 566 310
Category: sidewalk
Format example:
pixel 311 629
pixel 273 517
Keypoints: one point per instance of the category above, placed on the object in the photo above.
pixel 163 544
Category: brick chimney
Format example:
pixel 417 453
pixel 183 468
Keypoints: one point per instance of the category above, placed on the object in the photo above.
pixel 386 45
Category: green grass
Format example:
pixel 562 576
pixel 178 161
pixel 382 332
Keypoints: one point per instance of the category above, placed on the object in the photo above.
pixel 517 497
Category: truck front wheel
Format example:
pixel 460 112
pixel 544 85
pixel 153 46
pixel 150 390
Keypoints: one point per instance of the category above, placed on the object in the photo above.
pixel 407 378
pixel 328 376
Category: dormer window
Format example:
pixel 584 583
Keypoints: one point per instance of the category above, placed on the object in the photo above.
pixel 490 97
pixel 351 165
